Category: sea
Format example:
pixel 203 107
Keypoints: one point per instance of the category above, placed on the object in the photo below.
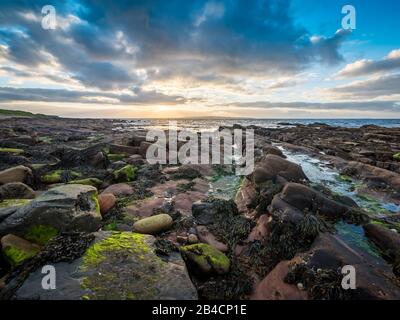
pixel 214 124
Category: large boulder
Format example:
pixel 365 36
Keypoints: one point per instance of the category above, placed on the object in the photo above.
pixel 15 174
pixel 117 266
pixel 64 208
pixel 273 166
pixel 16 190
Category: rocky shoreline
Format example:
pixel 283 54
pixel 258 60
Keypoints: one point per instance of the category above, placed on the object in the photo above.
pixel 80 196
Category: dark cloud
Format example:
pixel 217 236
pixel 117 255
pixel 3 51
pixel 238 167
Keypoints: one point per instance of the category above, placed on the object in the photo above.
pixel 175 38
pixel 139 97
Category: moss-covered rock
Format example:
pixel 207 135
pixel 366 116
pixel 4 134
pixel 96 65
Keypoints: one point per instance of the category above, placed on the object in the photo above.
pixel 205 259
pixel 41 234
pixel 17 250
pixel 116 266
pixel 14 203
pixel 94 182
pixel 154 224
pixel 396 156
pixel 116 156
pixel 125 174
pixel 12 150
pixel 58 176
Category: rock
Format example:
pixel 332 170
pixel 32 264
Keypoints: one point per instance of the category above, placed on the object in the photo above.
pixel 192 239
pixel 387 240
pixel 94 182
pixel 15 174
pixel 128 150
pixel 146 207
pixel 59 176
pixel 154 224
pixel 304 199
pixel 17 250
pixel 274 151
pixel 144 145
pixel 204 212
pixel 64 208
pixel 246 197
pixel 205 259
pixel 119 190
pixel 116 266
pixel 260 231
pixel 373 276
pixel 16 190
pixel 135 160
pixel 273 166
pixel 125 174
pixel 206 236
pixel 106 202
pixel 273 286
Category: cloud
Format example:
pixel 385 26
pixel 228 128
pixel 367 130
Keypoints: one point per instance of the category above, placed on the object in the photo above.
pixel 367 89
pixel 138 97
pixel 115 45
pixel 349 106
pixel 367 67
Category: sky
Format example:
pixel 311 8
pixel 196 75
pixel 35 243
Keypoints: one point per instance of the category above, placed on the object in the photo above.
pixel 180 58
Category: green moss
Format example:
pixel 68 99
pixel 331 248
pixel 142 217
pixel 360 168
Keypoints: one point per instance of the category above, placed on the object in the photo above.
pixel 116 156
pixel 58 176
pixel 344 178
pixel 94 182
pixel 14 202
pixel 16 256
pixel 12 150
pixel 112 226
pixel 125 174
pixel 205 255
pixel 45 139
pixel 396 156
pixel 41 234
pixel 106 279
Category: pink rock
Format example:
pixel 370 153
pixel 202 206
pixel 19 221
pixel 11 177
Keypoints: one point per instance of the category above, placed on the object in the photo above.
pixel 273 286
pixel 206 236
pixel 106 202
pixel 146 207
pixel 260 231
pixel 119 190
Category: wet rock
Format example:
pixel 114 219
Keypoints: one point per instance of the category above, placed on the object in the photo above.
pixel 64 208
pixel 154 224
pixel 273 166
pixel 119 190
pixel 16 190
pixel 128 150
pixel 106 202
pixel 387 240
pixel 204 259
pixel 260 231
pixel 117 266
pixel 246 197
pixel 205 236
pixel 17 250
pixel 273 286
pixel 274 151
pixel 15 174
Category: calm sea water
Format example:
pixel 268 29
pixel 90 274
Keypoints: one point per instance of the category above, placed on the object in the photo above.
pixel 267 123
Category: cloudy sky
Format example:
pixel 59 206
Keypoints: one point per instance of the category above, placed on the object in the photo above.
pixel 189 58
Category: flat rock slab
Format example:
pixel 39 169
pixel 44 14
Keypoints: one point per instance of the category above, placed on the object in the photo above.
pixel 117 266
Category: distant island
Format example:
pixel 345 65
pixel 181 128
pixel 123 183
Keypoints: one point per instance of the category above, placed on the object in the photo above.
pixel 23 114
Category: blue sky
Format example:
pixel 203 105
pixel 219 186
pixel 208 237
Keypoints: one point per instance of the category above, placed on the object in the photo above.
pixel 178 58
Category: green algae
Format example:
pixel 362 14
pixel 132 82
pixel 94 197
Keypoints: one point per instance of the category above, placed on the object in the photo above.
pixel 16 256
pixel 58 176
pixel 12 150
pixel 206 256
pixel 116 156
pixel 125 174
pixel 94 182
pixel 14 202
pixel 396 156
pixel 41 234
pixel 106 279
